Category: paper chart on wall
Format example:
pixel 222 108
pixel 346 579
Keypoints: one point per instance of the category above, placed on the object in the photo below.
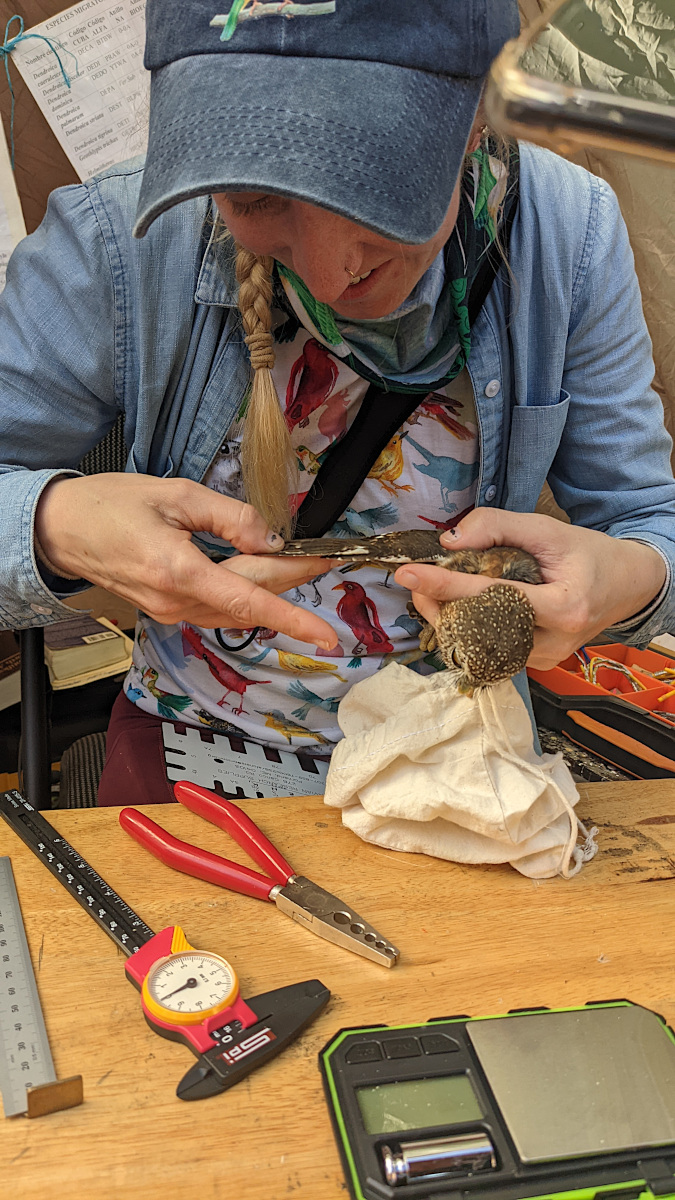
pixel 12 227
pixel 102 118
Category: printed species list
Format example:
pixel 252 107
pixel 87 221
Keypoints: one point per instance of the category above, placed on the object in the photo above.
pixel 102 118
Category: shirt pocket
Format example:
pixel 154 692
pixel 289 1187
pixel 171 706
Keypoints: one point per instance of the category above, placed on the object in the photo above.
pixel 535 437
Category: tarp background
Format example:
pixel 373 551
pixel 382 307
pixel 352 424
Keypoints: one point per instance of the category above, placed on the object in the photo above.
pixel 646 193
pixel 645 190
pixel 622 47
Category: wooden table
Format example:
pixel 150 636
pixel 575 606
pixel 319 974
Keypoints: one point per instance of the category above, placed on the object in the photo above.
pixel 473 939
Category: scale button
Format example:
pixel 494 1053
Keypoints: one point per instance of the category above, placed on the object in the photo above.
pixel 438 1043
pixel 363 1052
pixel 402 1047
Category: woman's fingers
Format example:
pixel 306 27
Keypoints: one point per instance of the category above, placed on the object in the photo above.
pixel 483 528
pixel 278 574
pixel 591 580
pixel 549 649
pixel 552 642
pixel 132 535
pixel 430 586
pixel 553 604
pixel 239 601
pixel 437 583
pixel 120 527
pixel 188 505
pixel 212 595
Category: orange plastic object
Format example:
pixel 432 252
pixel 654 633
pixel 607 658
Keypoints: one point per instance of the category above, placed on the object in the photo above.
pixel 634 747
pixel 567 679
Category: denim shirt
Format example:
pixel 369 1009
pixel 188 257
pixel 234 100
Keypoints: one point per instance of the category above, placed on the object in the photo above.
pixel 95 323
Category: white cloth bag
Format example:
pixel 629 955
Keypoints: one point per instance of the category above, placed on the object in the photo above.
pixel 424 769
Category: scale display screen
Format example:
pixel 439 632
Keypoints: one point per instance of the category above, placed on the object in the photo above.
pixel 418 1103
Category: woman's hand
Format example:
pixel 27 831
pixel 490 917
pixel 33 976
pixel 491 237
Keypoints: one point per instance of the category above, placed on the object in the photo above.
pixel 131 535
pixel 590 582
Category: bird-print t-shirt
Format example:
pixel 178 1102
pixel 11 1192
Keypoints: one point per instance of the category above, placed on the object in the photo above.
pixel 276 690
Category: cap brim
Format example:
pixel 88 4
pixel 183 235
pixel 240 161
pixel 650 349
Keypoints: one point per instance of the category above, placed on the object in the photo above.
pixel 378 144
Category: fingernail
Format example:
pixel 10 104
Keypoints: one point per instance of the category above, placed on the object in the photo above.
pixel 275 541
pixel 325 645
pixel 408 578
pixel 450 533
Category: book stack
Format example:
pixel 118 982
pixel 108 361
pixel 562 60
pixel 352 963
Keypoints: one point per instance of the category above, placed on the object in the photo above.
pixel 10 672
pixel 81 650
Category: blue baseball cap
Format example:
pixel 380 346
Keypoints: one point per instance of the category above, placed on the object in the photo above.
pixel 363 107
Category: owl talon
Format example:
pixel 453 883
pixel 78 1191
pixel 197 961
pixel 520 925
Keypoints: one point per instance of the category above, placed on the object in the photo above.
pixel 428 640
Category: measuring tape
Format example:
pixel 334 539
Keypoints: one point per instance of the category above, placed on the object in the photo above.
pixel 187 995
pixel 27 1077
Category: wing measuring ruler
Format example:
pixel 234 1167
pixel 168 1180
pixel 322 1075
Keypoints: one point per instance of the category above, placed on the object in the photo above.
pixel 28 1080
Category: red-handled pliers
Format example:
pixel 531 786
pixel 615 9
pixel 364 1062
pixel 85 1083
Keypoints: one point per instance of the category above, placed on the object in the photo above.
pixel 296 896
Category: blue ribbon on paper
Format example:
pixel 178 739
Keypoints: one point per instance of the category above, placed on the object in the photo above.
pixel 6 49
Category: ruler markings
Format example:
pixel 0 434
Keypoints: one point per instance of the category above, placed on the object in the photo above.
pixel 26 1059
pixel 83 883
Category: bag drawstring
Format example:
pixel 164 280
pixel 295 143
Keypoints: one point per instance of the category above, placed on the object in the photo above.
pixel 583 853
pixel 573 854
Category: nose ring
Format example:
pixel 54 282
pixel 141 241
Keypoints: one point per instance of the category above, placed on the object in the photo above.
pixel 350 273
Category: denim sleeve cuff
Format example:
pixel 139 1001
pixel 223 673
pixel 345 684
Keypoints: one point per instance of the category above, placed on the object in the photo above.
pixel 28 597
pixel 658 616
pixel 59 586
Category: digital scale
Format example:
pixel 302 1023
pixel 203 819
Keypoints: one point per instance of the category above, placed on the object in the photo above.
pixel 574 1103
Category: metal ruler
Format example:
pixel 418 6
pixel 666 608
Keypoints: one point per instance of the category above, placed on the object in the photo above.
pixel 26 1059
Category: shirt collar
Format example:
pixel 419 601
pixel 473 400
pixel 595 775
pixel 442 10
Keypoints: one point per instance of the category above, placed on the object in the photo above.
pixel 216 283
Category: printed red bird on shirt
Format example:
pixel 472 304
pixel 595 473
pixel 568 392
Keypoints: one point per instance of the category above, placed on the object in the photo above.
pixel 222 671
pixel 450 523
pixel 357 610
pixel 311 381
pixel 439 407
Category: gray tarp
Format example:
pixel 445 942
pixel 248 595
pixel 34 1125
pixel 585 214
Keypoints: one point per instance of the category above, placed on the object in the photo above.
pixel 622 46
pixel 646 190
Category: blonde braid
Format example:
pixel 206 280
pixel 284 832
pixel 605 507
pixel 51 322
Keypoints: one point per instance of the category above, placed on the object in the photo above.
pixel 267 457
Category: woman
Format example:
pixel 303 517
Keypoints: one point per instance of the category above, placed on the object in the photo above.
pixel 314 165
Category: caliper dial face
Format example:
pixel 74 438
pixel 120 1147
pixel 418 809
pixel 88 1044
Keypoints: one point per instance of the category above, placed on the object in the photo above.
pixel 187 987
